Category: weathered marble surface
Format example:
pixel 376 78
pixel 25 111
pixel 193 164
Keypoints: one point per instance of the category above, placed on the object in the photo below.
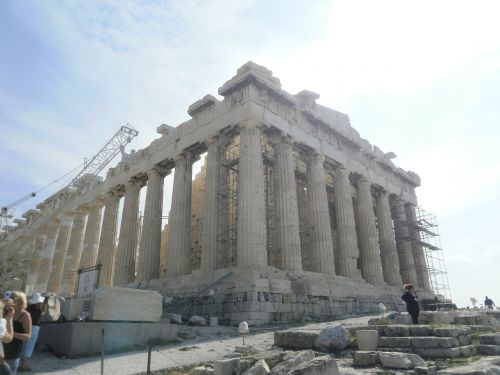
pixel 127 304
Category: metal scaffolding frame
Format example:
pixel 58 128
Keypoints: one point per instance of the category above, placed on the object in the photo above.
pixel 430 241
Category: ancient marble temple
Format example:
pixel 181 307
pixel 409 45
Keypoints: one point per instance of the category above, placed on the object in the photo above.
pixel 293 215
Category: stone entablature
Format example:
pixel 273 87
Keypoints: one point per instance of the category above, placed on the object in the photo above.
pixel 305 138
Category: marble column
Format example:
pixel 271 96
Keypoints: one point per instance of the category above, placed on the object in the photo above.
pixel 72 260
pixel 34 264
pixel 371 264
pixel 346 225
pixel 107 244
pixel 287 238
pixel 320 239
pixel 90 244
pixel 49 245
pixel 210 214
pixel 403 243
pixel 251 242
pixel 129 229
pixel 388 249
pixel 149 254
pixel 418 250
pixel 60 253
pixel 179 221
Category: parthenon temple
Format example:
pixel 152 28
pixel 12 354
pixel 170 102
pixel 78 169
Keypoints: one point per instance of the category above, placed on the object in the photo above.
pixel 293 214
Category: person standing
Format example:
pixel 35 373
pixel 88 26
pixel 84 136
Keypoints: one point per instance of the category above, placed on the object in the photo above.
pixel 35 309
pixel 22 331
pixel 6 333
pixel 488 303
pixel 410 298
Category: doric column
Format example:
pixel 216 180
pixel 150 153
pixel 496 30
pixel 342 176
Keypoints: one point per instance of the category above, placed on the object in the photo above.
pixel 210 214
pixel 127 243
pixel 34 264
pixel 320 239
pixel 74 252
pixel 107 244
pixel 49 245
pixel 60 253
pixel 90 242
pixel 149 254
pixel 388 250
pixel 418 250
pixel 371 265
pixel 179 221
pixel 346 225
pixel 287 239
pixel 251 246
pixel 403 243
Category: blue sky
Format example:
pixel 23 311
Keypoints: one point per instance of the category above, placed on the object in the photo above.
pixel 419 79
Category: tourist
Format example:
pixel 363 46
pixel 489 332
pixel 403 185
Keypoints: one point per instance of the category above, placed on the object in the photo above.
pixel 35 309
pixel 410 297
pixel 22 331
pixel 6 332
pixel 488 303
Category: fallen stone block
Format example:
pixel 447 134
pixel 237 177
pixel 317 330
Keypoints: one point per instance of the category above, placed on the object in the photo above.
pixel 364 359
pixel 446 332
pixel 423 370
pixel 416 360
pixel 259 368
pixel 333 338
pixel 468 350
pixel 394 342
pixel 438 353
pixel 466 319
pixel 226 366
pixel 397 331
pixel 402 319
pixel 197 320
pixel 488 349
pixel 434 342
pixel 174 318
pixel 324 365
pixel 292 360
pixel 202 370
pixel 395 360
pixel 297 340
pixel 367 339
pixel 421 330
pixel 244 365
pixel 489 339
pixel 127 304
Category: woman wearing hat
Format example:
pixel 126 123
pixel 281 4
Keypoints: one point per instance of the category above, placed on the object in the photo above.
pixel 35 309
pixel 22 331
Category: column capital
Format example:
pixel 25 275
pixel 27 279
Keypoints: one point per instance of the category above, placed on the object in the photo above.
pixel 134 183
pixel 252 124
pixel 281 139
pixel 184 155
pixel 314 156
pixel 161 171
pixel 342 171
pixel 363 180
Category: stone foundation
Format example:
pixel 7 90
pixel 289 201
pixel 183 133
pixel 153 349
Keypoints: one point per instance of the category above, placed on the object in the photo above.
pixel 270 295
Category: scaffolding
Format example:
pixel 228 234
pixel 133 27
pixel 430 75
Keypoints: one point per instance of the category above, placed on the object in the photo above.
pixel 430 241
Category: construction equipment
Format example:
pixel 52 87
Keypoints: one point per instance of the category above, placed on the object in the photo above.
pixel 90 169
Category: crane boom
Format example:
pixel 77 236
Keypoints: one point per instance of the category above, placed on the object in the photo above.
pixel 107 153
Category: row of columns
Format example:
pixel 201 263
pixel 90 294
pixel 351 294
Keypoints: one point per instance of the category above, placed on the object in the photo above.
pixel 76 240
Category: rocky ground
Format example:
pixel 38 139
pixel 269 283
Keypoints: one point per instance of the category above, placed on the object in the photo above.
pixel 198 346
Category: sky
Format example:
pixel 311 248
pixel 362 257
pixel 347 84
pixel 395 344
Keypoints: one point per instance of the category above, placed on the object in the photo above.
pixel 421 79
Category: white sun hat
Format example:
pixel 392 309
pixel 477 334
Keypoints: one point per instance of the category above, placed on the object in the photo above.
pixel 36 298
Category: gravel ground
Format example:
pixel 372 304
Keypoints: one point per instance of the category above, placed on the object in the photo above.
pixel 199 345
